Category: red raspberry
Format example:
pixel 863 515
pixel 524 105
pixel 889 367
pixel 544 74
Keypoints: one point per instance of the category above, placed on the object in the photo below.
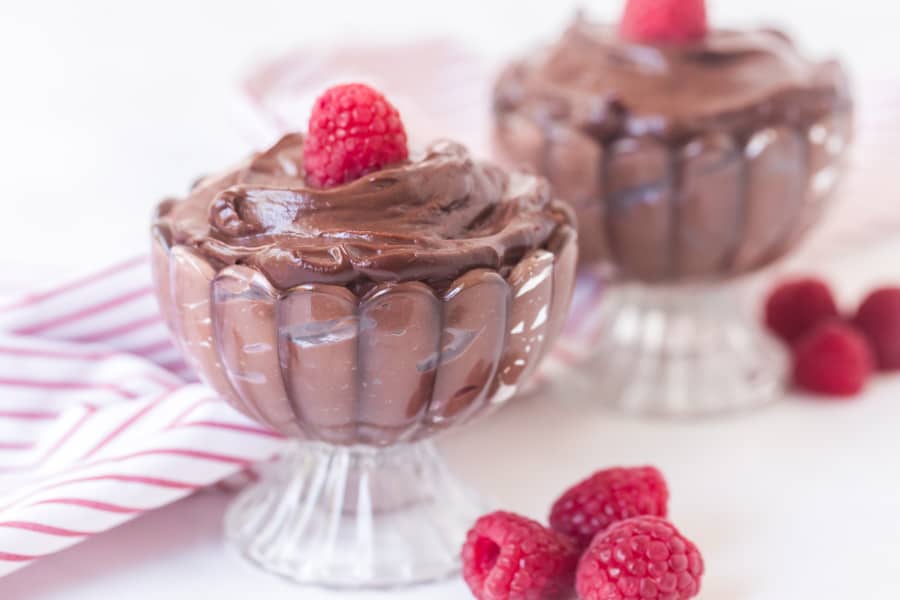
pixel 878 318
pixel 833 359
pixel 664 21
pixel 794 307
pixel 644 558
pixel 607 497
pixel 508 557
pixel 353 130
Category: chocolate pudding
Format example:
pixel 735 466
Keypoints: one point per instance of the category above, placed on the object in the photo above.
pixel 700 160
pixel 378 311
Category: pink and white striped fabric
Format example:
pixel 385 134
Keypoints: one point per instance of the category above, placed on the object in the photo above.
pixel 101 420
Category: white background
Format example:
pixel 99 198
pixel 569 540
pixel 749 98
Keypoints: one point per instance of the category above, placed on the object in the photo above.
pixel 107 106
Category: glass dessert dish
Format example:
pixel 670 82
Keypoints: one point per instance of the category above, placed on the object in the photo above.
pixel 690 166
pixel 360 321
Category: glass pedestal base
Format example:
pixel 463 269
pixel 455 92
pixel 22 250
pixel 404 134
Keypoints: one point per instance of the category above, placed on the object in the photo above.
pixel 680 351
pixel 355 517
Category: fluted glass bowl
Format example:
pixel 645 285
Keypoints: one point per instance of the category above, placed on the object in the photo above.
pixel 361 499
pixel 673 228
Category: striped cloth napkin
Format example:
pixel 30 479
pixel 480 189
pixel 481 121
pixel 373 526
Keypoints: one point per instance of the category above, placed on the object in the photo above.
pixel 101 419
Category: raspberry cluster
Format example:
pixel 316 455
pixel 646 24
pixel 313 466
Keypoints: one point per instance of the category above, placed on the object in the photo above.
pixel 835 355
pixel 607 540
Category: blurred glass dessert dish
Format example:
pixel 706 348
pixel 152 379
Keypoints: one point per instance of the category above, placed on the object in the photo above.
pixel 361 319
pixel 691 161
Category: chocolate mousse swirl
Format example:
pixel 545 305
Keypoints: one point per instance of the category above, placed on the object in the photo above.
pixel 430 219
pixel 730 81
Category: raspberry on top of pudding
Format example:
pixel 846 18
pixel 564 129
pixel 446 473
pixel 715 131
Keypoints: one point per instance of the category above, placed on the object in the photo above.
pixel 353 130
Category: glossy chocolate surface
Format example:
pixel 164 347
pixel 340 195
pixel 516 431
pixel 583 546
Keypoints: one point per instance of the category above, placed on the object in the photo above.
pixel 732 81
pixel 433 219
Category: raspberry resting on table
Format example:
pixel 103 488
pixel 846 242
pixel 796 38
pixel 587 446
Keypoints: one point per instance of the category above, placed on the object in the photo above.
pixel 833 359
pixel 644 558
pixel 509 557
pixel 878 318
pixel 796 306
pixel 606 497
pixel 353 130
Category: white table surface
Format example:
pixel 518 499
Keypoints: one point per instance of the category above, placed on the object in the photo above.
pixel 105 107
